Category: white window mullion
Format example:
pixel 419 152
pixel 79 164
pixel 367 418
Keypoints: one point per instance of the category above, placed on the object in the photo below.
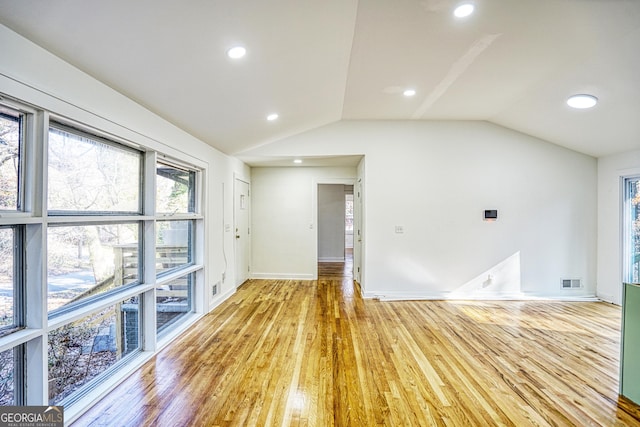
pixel 201 301
pixel 36 276
pixel 202 293
pixel 35 249
pixel 149 180
pixel 149 341
pixel 36 315
pixel 37 372
pixel 202 290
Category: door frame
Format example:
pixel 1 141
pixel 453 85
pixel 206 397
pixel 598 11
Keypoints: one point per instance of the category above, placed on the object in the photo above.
pixel 314 211
pixel 247 242
pixel 358 221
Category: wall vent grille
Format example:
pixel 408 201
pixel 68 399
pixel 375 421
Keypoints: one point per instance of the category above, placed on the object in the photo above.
pixel 214 290
pixel 571 284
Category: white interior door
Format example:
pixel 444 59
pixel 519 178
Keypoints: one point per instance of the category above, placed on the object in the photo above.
pixel 242 231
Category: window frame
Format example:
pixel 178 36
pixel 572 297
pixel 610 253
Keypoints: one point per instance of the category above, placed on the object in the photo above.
pixel 191 238
pixel 18 370
pixel 117 290
pixel 19 176
pixel 95 137
pixel 26 136
pixel 94 382
pixel 19 300
pixel 191 277
pixel 192 205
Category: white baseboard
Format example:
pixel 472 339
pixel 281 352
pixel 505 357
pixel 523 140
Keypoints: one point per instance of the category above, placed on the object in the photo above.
pixel 283 276
pixel 408 296
pixel 609 298
pixel 331 259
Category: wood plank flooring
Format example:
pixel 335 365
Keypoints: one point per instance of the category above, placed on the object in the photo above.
pixel 313 353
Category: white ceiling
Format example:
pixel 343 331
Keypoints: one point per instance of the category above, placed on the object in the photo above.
pixel 513 63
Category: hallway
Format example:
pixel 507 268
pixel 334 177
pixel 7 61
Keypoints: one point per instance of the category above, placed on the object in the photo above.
pixel 335 270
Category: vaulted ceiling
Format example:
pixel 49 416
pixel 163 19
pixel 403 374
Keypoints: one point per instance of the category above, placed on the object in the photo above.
pixel 512 62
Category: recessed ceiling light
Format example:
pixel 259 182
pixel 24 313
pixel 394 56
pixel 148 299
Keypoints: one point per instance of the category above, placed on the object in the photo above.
pixel 297 161
pixel 464 10
pixel 582 101
pixel 409 92
pixel 236 52
pixel 272 117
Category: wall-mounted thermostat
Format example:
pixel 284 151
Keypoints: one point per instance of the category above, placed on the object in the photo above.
pixel 490 214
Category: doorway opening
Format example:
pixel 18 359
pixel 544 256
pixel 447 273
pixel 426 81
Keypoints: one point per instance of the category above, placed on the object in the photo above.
pixel 335 230
pixel 348 224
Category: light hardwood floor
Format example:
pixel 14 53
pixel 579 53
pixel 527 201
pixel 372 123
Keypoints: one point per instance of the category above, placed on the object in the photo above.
pixel 313 353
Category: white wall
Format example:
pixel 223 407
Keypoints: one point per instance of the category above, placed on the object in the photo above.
pixel 284 219
pixel 434 179
pixel 33 75
pixel 331 214
pixel 611 171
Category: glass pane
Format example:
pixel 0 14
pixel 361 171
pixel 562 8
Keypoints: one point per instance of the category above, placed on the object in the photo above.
pixel 10 140
pixel 173 301
pixel 348 213
pixel 7 255
pixel 81 351
pixel 86 175
pixel 88 260
pixel 7 385
pixel 633 194
pixel 175 190
pixel 173 245
pixel 348 221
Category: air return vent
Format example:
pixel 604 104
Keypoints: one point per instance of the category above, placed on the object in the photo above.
pixel 214 290
pixel 571 284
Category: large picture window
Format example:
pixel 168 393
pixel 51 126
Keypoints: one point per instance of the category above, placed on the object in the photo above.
pixel 98 254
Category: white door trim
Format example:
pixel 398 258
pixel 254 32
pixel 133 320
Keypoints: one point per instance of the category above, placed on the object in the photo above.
pixel 314 211
pixel 240 278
